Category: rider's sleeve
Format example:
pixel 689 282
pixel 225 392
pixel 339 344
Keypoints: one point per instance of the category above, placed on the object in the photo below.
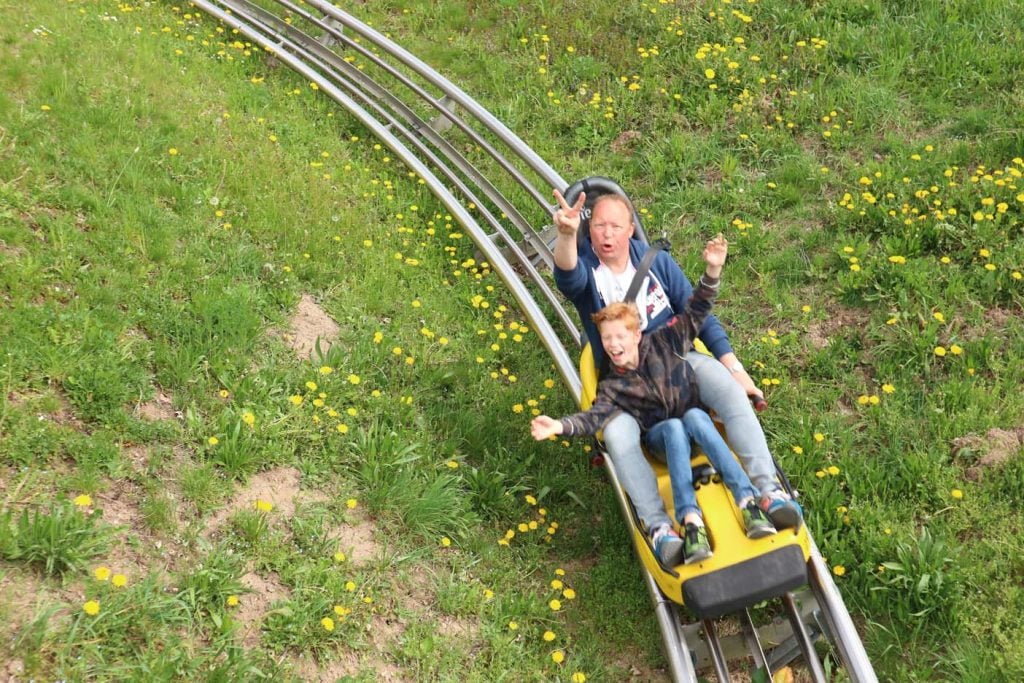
pixel 679 291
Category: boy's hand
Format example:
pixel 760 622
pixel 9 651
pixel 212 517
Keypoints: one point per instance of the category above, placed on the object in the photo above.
pixel 543 427
pixel 716 251
pixel 567 218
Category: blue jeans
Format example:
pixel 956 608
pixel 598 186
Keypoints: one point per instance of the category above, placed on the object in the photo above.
pixel 671 437
pixel 720 392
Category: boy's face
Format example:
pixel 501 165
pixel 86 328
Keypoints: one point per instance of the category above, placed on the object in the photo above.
pixel 620 343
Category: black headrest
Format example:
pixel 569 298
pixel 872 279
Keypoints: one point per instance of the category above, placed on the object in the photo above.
pixel 594 187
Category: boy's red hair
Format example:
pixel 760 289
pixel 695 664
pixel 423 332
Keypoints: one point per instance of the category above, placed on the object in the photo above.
pixel 627 313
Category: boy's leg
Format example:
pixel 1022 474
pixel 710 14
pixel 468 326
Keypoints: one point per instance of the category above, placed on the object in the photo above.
pixel 720 392
pixel 669 437
pixel 699 425
pixel 622 439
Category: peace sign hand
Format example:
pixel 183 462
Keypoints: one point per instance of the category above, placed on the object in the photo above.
pixel 567 218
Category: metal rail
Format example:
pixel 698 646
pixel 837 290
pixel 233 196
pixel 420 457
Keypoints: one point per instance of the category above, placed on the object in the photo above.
pixel 421 146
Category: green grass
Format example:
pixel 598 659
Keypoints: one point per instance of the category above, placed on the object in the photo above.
pixel 166 201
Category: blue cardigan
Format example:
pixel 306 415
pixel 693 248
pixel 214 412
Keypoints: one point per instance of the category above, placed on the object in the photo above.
pixel 579 287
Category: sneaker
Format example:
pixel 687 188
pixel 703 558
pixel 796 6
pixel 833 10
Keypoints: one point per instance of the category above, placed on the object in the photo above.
pixel 695 545
pixel 784 512
pixel 668 547
pixel 756 522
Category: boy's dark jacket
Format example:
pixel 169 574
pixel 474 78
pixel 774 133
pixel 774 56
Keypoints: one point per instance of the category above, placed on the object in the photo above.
pixel 663 384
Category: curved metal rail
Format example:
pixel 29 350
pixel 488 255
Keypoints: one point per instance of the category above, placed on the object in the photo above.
pixel 421 146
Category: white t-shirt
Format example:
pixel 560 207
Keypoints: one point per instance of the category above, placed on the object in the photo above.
pixel 651 298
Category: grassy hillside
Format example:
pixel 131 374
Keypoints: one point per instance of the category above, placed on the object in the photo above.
pixel 188 492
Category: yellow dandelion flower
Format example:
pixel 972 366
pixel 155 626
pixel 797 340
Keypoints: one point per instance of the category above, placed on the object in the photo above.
pixel 119 580
pixel 569 594
pixel 248 418
pixel 957 494
pixel 955 349
pixel 557 584
pixel 839 570
pixel 940 351
pixel 833 470
pixel 327 623
pixel 819 437
pixel 579 677
pixel 453 464
pixel 92 608
pixel 513 626
pixel 559 572
pixel 340 556
pixel 350 586
pixel 213 441
pixel 102 573
pixel 296 400
pixel 83 500
pixel 488 594
pixel 232 601
pixel 342 428
pixel 173 151
pixel 530 499
pixel 798 450
pixel 354 379
pixel 549 636
pixel 555 604
pixel 264 505
pixel 558 656
pixel 446 542
pixel 351 503
pixel 888 388
pixel 224 393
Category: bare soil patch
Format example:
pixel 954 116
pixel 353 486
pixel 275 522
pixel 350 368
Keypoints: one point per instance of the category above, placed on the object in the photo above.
pixel 310 323
pixel 625 141
pixel 356 539
pixel 820 333
pixel 996 446
pixel 278 486
pixel 159 408
pixel 252 606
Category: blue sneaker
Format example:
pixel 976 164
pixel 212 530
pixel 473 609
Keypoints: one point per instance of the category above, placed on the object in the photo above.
pixel 668 546
pixel 784 512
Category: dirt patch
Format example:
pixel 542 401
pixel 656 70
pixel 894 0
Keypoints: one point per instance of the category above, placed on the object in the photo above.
pixel 138 456
pixel 996 446
pixel 308 669
pixel 252 606
pixel 22 593
pixel 355 538
pixel 820 333
pixel 159 408
pixel 625 141
pixel 279 487
pixel 309 324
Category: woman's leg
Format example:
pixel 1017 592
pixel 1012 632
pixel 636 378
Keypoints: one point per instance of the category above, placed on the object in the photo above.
pixel 720 392
pixel 669 437
pixel 699 425
pixel 622 439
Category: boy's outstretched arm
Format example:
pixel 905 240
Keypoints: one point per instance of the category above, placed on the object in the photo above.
pixel 543 427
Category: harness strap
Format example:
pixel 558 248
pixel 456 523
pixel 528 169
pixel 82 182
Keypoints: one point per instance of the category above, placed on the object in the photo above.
pixel 661 244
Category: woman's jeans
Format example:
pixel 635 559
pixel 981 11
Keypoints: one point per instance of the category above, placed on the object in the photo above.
pixel 671 437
